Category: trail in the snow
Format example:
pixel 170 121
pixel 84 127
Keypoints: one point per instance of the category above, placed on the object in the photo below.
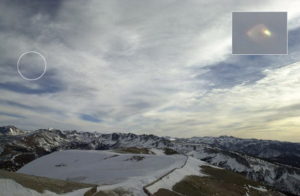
pixel 160 178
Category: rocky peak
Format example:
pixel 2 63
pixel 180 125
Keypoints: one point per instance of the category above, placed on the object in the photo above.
pixel 10 130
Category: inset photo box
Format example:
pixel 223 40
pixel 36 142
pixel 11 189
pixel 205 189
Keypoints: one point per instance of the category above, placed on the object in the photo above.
pixel 259 33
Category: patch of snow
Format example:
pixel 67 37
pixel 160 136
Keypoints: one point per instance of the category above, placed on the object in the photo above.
pixel 262 189
pixel 157 151
pixel 217 159
pixel 192 167
pixel 109 169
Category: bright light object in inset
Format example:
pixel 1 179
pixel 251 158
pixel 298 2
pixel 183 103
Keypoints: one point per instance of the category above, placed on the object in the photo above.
pixel 267 32
pixel 259 33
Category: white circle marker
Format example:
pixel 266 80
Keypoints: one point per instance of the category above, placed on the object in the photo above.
pixel 32 52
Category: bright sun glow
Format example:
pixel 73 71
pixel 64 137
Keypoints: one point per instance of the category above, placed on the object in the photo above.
pixel 267 32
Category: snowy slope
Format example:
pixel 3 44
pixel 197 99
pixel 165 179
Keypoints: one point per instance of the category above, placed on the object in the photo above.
pixel 191 167
pixel 282 177
pixel 104 167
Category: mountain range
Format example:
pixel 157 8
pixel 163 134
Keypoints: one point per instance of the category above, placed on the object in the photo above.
pixel 275 164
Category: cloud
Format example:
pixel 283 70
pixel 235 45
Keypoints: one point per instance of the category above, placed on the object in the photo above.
pixel 259 106
pixel 133 65
pixel 247 69
pixel 12 115
pixel 39 109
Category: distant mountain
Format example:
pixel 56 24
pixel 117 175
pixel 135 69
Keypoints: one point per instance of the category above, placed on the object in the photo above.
pixel 283 177
pixel 10 130
pixel 260 160
pixel 250 157
pixel 274 151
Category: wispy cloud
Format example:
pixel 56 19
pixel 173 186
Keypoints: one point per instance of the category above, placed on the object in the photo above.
pixel 11 115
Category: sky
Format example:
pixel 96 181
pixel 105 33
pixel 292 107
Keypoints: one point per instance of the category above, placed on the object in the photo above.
pixel 155 67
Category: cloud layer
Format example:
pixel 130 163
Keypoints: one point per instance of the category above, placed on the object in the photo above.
pixel 146 66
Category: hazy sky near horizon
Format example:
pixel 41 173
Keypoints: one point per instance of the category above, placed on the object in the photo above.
pixel 159 67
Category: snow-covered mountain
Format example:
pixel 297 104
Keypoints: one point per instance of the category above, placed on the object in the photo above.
pixel 10 130
pixel 275 151
pixel 285 178
pixel 259 160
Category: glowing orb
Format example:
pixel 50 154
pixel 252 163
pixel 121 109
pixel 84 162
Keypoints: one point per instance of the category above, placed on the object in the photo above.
pixel 259 33
pixel 267 32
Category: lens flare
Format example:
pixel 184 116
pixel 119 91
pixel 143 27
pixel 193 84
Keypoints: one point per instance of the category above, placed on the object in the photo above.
pixel 259 33
pixel 267 32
